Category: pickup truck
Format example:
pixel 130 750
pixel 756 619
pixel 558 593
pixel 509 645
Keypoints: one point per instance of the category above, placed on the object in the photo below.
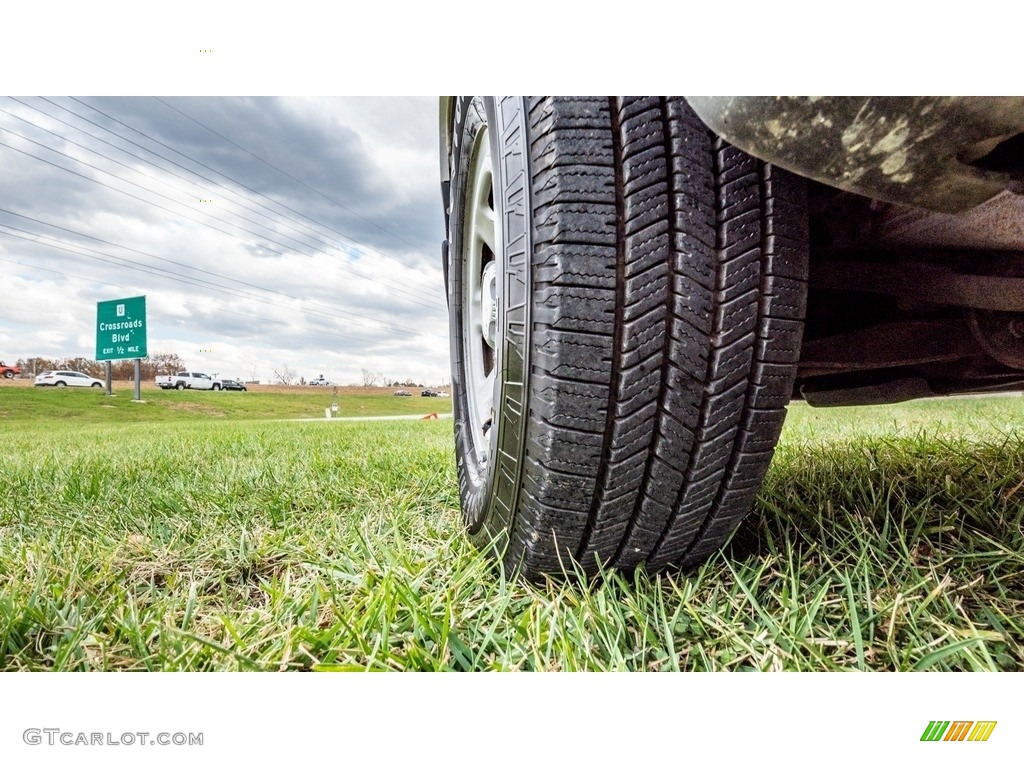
pixel 188 380
pixel 9 371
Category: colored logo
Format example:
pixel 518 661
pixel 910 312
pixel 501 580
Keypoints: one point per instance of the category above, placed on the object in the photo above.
pixel 958 730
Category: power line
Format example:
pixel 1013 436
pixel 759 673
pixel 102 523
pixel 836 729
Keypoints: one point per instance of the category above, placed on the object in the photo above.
pixel 219 310
pixel 219 173
pixel 395 287
pixel 330 309
pixel 297 181
pixel 133 170
pixel 263 210
pixel 199 283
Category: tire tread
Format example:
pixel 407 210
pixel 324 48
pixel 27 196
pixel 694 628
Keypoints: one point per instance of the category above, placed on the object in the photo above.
pixel 669 285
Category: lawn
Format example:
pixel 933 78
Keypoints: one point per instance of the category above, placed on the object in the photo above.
pixel 71 405
pixel 885 538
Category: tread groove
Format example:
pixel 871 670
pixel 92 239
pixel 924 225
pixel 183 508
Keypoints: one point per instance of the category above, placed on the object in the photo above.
pixel 620 301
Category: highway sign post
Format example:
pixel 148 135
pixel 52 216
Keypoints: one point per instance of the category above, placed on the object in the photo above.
pixel 121 333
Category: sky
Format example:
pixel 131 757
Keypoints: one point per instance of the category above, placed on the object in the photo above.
pixel 265 232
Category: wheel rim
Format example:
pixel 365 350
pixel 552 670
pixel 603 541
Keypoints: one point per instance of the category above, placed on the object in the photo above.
pixel 480 326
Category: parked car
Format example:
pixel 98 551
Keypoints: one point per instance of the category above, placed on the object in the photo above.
pixel 403 393
pixel 638 287
pixel 66 379
pixel 428 393
pixel 320 382
pixel 231 384
pixel 9 371
pixel 188 380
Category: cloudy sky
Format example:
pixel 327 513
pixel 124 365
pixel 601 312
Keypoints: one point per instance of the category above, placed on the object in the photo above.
pixel 264 232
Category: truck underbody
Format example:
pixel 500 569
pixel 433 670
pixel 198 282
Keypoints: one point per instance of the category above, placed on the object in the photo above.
pixel 916 280
pixel 906 303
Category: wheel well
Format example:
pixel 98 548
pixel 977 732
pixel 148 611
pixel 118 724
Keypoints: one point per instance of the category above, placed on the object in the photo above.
pixel 895 313
pixel 447 116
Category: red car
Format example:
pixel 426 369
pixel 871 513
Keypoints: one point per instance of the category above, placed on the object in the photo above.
pixel 9 371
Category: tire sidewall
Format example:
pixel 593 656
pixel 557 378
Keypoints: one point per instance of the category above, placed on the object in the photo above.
pixel 489 493
pixel 475 480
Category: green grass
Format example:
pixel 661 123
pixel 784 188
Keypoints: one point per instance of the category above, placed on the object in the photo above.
pixel 20 404
pixel 886 538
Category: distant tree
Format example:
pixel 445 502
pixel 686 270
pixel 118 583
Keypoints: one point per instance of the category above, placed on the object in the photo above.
pixel 35 365
pixel 81 365
pixel 162 363
pixel 122 370
pixel 151 366
pixel 371 379
pixel 285 375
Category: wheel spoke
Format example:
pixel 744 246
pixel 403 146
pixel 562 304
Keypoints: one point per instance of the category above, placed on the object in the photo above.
pixel 485 405
pixel 488 304
pixel 485 225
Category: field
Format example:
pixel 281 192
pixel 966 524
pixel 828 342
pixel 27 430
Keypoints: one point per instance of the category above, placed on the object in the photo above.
pixel 197 532
pixel 20 401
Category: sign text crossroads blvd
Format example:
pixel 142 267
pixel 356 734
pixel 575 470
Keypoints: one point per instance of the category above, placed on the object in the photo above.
pixel 121 329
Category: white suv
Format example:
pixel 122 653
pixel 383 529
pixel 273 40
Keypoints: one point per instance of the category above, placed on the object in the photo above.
pixel 66 379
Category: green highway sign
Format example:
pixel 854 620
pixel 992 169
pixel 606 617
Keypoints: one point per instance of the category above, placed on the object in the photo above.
pixel 121 329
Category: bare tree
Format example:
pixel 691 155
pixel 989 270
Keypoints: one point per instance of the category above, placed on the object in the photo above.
pixel 285 375
pixel 162 363
pixel 371 379
pixel 34 365
pixel 80 364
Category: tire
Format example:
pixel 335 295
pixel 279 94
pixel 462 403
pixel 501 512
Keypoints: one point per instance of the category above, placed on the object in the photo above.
pixel 619 400
pixel 180 385
pixel 96 386
pixel 61 384
pixel 216 387
pixel 8 374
